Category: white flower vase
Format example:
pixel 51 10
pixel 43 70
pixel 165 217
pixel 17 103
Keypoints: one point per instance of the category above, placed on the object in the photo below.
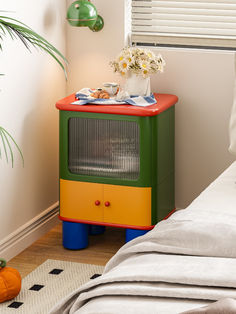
pixel 137 85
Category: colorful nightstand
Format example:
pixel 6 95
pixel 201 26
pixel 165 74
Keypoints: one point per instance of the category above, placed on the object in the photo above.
pixel 116 167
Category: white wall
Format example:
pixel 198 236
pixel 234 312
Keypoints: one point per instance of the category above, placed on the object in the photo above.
pixel 203 81
pixel 32 83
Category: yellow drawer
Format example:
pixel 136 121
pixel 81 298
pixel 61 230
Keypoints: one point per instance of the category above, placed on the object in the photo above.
pixel 117 204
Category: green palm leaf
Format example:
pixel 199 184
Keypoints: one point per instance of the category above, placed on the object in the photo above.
pixel 7 141
pixel 16 29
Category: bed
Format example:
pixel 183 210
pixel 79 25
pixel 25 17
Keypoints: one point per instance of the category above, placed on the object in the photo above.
pixel 186 262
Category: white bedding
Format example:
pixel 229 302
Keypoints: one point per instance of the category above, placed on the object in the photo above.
pixel 185 262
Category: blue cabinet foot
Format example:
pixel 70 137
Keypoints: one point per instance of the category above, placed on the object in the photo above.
pixel 95 229
pixel 131 234
pixel 75 235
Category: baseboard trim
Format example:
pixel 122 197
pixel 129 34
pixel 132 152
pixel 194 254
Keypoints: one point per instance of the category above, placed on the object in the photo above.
pixel 24 236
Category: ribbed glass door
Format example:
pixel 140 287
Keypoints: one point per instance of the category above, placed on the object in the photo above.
pixel 105 148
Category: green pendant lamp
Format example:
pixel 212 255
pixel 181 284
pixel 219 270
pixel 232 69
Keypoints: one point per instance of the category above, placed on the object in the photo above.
pixel 84 13
pixel 98 24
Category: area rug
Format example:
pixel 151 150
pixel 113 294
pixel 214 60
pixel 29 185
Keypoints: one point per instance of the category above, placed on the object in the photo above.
pixel 48 284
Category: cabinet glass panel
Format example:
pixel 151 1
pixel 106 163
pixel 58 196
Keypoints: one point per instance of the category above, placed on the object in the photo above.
pixel 106 148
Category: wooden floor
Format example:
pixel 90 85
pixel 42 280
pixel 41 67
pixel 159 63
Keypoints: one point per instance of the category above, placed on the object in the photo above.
pixel 101 248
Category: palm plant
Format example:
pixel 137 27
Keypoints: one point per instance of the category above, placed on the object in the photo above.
pixel 18 30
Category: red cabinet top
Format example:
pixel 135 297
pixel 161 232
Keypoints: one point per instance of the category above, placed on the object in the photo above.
pixel 164 101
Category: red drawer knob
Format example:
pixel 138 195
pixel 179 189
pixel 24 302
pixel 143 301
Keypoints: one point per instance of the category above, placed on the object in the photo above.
pixel 97 202
pixel 107 204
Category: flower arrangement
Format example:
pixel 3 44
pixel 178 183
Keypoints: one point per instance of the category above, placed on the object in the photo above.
pixel 139 61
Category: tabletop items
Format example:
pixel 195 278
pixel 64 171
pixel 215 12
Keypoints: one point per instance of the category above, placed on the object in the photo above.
pixel 100 97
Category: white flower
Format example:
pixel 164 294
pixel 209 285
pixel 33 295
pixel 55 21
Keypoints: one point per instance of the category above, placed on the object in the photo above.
pixel 124 65
pixel 150 54
pixel 120 57
pixel 145 67
pixel 130 59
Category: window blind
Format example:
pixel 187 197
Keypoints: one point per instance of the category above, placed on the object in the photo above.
pixel 183 22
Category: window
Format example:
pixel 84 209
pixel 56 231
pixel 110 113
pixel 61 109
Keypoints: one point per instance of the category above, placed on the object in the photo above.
pixel 208 23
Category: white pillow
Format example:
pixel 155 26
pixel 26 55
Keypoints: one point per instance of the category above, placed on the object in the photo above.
pixel 232 123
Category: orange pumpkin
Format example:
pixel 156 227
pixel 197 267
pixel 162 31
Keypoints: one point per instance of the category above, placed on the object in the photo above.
pixel 10 282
